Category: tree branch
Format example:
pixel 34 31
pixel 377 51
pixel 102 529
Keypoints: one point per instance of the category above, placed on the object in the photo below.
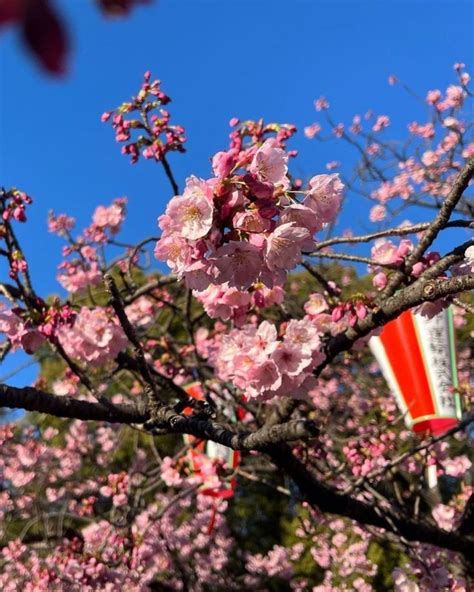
pixel 440 222
pixel 415 294
pixel 32 399
pixel 139 355
pixel 365 238
pixel 268 434
pixel 166 422
pixel 327 499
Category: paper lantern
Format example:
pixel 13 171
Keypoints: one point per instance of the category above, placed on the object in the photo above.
pixel 417 358
pixel 229 458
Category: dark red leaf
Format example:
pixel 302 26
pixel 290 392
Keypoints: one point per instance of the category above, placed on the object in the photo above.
pixel 11 10
pixel 45 36
pixel 119 7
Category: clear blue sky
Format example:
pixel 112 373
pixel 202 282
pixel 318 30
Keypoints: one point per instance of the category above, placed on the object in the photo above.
pixel 217 59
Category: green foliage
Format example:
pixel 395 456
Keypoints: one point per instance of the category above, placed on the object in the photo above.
pixel 257 514
pixel 387 557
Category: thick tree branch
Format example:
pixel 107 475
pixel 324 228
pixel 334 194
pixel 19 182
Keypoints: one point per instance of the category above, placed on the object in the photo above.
pixel 166 422
pixel 32 399
pixel 268 434
pixel 415 294
pixel 328 499
pixel 450 259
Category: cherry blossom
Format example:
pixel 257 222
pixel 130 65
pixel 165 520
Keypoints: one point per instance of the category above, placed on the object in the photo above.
pixel 269 164
pixel 324 196
pixel 263 361
pixel 94 338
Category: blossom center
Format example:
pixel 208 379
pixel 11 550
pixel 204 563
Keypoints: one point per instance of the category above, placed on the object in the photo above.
pixel 192 214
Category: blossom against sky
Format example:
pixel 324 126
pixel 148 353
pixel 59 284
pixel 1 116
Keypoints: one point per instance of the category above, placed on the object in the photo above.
pixel 217 60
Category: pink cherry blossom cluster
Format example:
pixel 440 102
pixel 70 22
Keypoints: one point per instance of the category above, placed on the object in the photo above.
pixel 275 563
pixel 431 570
pixel 426 131
pixel 366 454
pixel 77 274
pixel 106 221
pixel 377 213
pixel 68 384
pixel 153 545
pixel 138 523
pixel 337 318
pixel 386 252
pixel 95 338
pixel 442 143
pixel 18 264
pixel 311 131
pixel 84 270
pixel 54 316
pixel 142 312
pixel 453 97
pixel 104 554
pixel 13 205
pixel 264 366
pixel 29 330
pixel 247 135
pixel 340 548
pixel 225 303
pixel 22 335
pixel 350 311
pixel 425 262
pixel 321 104
pixel 316 304
pixel 156 136
pixel 398 186
pixel 381 123
pixel 116 488
pixel 60 224
pixel 245 225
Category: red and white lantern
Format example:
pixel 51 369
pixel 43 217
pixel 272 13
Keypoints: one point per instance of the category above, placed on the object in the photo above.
pixel 417 358
pixel 229 458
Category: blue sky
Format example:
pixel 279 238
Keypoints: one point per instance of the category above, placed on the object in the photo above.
pixel 217 59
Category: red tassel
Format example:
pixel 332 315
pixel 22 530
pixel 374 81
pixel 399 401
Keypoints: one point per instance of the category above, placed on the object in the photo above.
pixel 212 522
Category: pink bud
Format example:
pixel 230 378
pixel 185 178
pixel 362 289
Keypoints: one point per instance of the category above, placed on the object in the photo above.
pixel 259 298
pixel 380 280
pixel 31 341
pixel 19 214
pixel 418 269
pixel 222 164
